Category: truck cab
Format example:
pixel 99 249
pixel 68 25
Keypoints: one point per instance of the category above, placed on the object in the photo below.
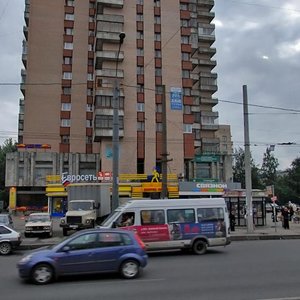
pixel 81 214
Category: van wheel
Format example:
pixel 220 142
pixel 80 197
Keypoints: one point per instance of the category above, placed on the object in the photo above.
pixel 42 274
pixel 199 247
pixel 5 248
pixel 130 269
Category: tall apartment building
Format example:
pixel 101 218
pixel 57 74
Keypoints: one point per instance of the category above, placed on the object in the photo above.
pixel 71 58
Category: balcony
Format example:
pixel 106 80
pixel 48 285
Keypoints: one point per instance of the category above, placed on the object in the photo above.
pixel 110 18
pixel 24 59
pixel 206 3
pixel 211 101
pixel 25 32
pixel 108 92
pixel 208 51
pixel 106 37
pixel 206 14
pixel 111 3
pixel 107 56
pixel 110 73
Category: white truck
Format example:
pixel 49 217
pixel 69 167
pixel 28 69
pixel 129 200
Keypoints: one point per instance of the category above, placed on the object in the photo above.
pixel 87 203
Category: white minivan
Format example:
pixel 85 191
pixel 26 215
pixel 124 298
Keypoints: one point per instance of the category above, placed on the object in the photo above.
pixel 175 223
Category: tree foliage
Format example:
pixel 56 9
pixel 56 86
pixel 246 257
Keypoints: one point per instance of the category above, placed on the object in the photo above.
pixel 239 170
pixel 268 171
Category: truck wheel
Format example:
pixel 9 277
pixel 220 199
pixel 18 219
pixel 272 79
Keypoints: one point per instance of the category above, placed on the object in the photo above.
pixel 65 231
pixel 199 247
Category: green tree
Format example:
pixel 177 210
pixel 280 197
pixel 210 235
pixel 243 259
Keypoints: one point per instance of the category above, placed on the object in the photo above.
pixel 7 147
pixel 268 171
pixel 239 170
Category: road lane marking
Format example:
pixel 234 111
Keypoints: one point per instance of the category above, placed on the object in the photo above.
pixel 289 298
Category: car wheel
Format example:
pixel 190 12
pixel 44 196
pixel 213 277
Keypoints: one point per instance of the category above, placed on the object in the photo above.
pixel 42 274
pixel 199 247
pixel 65 232
pixel 130 269
pixel 5 248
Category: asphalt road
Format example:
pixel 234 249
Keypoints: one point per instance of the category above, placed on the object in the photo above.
pixel 248 270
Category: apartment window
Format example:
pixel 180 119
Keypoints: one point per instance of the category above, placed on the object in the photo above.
pixel 205 31
pixel 140 17
pixel 184 23
pixel 89 123
pixel 66 106
pixel 140 88
pixel 90 47
pixel 187 128
pixel 159 127
pixel 90 76
pixel 159 90
pixel 157 20
pixel 92 5
pixel 89 92
pixel 89 107
pixel 140 35
pixel 65 139
pixel 141 2
pixel 65 123
pixel 185 39
pixel 69 17
pixel 90 62
pixel 91 33
pixel 207 120
pixel 197 134
pixel 158 108
pixel 68 46
pixel 67 60
pixel 185 56
pixel 89 140
pixel 208 81
pixel 157 37
pixel 69 2
pixel 183 6
pixel 158 72
pixel 91 19
pixel 140 70
pixel 140 107
pixel 106 101
pixel 186 109
pixel 203 170
pixel 186 92
pixel 69 31
pixel 140 126
pixel 106 122
pixel 67 75
pixel 185 74
pixel 157 54
pixel 139 52
pixel 67 91
pixel 157 3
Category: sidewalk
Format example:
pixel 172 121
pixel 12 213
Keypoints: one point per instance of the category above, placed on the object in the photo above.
pixel 267 232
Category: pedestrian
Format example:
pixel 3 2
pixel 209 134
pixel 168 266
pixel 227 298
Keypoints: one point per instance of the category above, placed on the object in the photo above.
pixel 232 220
pixel 286 218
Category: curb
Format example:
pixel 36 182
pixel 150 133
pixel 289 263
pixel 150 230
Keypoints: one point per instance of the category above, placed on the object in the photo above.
pixel 237 238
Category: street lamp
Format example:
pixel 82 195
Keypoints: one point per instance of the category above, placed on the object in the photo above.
pixel 115 139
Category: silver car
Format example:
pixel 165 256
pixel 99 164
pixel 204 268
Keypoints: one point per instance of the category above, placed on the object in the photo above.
pixel 9 239
pixel 7 220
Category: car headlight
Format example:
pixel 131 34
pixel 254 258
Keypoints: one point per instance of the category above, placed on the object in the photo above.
pixel 26 259
pixel 28 228
pixel 87 221
pixel 62 221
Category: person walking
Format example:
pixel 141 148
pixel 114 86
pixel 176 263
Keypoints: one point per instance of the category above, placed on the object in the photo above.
pixel 286 218
pixel 232 220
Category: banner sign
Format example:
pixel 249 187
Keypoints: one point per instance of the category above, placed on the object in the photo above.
pixel 176 98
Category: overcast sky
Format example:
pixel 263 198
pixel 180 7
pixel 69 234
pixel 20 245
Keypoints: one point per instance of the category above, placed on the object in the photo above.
pixel 258 45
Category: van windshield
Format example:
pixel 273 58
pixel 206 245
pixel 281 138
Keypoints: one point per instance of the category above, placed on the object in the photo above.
pixel 112 217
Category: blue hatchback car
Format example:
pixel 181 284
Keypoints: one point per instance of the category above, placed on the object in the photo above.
pixel 86 252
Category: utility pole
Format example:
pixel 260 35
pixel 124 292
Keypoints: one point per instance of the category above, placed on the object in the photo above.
pixel 115 139
pixel 248 178
pixel 164 154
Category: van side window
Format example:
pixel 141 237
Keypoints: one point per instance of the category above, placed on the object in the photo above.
pixel 186 215
pixel 210 214
pixel 126 219
pixel 152 217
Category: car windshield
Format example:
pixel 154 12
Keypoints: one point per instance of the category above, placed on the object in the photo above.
pixel 80 206
pixel 39 218
pixel 3 219
pixel 109 219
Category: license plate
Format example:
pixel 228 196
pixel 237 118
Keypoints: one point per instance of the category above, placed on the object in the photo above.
pixel 73 226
